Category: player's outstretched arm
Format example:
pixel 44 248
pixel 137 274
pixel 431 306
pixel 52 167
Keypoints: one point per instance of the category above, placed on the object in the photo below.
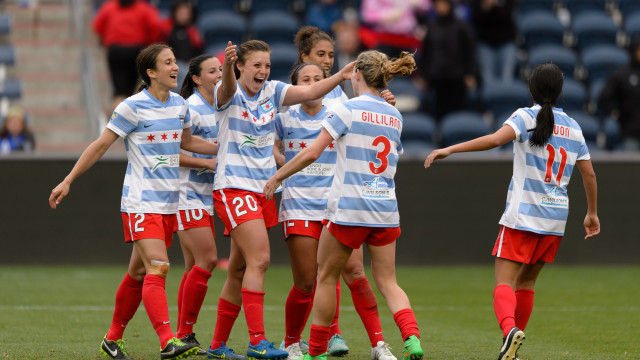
pixel 591 221
pixel 89 156
pixel 228 87
pixel 300 93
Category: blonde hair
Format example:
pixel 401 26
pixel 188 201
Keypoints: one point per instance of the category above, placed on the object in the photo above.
pixel 377 70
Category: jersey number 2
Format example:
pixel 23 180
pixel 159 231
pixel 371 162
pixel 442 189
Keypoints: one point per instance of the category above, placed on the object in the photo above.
pixel 381 155
pixel 552 156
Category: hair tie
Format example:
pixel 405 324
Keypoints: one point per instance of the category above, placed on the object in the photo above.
pixel 547 103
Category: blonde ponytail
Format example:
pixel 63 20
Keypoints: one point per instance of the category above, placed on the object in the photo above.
pixel 377 70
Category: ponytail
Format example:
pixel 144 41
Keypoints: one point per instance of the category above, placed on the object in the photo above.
pixel 545 86
pixel 544 126
pixel 377 70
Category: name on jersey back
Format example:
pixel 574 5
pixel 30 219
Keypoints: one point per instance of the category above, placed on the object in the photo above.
pixel 379 119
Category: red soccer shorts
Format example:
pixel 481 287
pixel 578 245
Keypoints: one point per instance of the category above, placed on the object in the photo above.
pixel 235 206
pixel 354 236
pixel 193 218
pixel 526 247
pixel 308 228
pixel 148 226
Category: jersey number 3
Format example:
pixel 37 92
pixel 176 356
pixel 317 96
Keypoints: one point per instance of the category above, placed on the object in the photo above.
pixel 552 156
pixel 381 155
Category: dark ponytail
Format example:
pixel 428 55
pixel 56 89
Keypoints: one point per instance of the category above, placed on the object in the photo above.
pixel 195 68
pixel 545 86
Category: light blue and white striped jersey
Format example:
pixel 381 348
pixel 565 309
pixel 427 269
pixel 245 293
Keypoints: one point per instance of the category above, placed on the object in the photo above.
pixel 246 133
pixel 537 199
pixel 304 195
pixel 152 132
pixel 196 185
pixel 367 133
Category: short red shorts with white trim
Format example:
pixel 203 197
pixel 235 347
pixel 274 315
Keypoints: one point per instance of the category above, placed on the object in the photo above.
pixel 526 247
pixel 193 218
pixel 235 206
pixel 148 226
pixel 308 228
pixel 354 236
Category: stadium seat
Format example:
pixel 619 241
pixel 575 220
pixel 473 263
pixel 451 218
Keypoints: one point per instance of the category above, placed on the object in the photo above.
pixel 590 127
pixel 541 27
pixel 418 126
pixel 628 7
pixel 595 89
pixel 576 7
pixel 274 26
pixel 594 28
pixel 501 98
pixel 632 24
pixel 11 89
pixel 5 24
pixel 611 129
pixel 526 6
pixel 205 6
pixel 599 60
pixel 462 126
pixel 219 27
pixel 406 93
pixel 283 56
pixel 7 55
pixel 270 5
pixel 565 58
pixel 574 96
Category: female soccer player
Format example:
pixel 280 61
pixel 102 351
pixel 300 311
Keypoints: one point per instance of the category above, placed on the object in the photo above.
pixel 548 144
pixel 194 221
pixel 246 131
pixel 155 125
pixel 361 205
pixel 314 45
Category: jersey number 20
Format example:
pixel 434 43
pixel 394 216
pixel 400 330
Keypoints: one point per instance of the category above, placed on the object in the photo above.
pixel 381 155
pixel 552 156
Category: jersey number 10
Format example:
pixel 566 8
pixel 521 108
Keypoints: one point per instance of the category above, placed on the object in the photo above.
pixel 552 156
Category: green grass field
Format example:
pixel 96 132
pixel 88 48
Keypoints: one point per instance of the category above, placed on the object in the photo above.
pixel 580 313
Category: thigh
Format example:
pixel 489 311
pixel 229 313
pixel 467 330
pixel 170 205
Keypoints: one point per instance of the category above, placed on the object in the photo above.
pixel 528 274
pixel 252 240
pixel 198 242
pixel 332 256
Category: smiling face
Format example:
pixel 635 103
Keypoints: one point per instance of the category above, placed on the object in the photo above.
pixel 210 74
pixel 165 74
pixel 254 71
pixel 310 75
pixel 321 53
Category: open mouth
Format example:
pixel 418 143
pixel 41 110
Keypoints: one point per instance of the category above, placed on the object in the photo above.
pixel 259 81
pixel 174 76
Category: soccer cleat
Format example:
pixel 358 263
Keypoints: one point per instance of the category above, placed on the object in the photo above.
pixel 382 351
pixel 223 352
pixel 191 339
pixel 176 349
pixel 511 344
pixel 265 350
pixel 304 346
pixel 338 346
pixel 294 351
pixel 412 349
pixel 322 356
pixel 114 349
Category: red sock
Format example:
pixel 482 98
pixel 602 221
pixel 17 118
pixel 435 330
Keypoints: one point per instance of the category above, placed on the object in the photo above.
pixel 155 303
pixel 128 299
pixel 227 315
pixel 524 307
pixel 318 340
pixel 253 302
pixel 406 321
pixel 180 292
pixel 364 300
pixel 195 289
pixel 295 313
pixel 335 328
pixel 504 305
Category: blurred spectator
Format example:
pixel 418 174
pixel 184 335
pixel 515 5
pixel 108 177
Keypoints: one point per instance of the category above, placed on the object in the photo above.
pixel 447 64
pixel 496 34
pixel 322 14
pixel 14 134
pixel 179 32
pixel 125 27
pixel 348 47
pixel 390 25
pixel 620 96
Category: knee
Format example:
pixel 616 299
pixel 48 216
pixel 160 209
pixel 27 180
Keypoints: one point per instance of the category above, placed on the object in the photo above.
pixel 306 284
pixel 158 268
pixel 210 263
pixel 261 263
pixel 352 273
pixel 236 273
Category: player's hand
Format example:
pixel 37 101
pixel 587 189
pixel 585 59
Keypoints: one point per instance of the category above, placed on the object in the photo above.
pixel 270 187
pixel 57 194
pixel 347 70
pixel 230 54
pixel 591 225
pixel 436 155
pixel 388 97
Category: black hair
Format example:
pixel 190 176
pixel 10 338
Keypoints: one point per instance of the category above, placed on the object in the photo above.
pixel 296 71
pixel 195 68
pixel 245 49
pixel 126 3
pixel 307 37
pixel 545 86
pixel 147 59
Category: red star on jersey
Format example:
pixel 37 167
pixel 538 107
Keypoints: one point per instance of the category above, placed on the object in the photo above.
pixel 151 137
pixel 262 118
pixel 331 146
pixel 255 119
pixel 175 136
pixel 302 145
pixel 164 137
pixel 290 145
pixel 215 142
pixel 272 114
pixel 245 114
pixel 268 106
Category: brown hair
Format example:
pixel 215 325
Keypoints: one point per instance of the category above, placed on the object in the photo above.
pixel 195 68
pixel 378 70
pixel 307 37
pixel 296 71
pixel 147 59
pixel 245 49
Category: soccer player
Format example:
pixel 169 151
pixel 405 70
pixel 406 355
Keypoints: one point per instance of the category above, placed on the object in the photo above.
pixel 247 104
pixel 194 221
pixel 547 146
pixel 314 45
pixel 155 125
pixel 361 206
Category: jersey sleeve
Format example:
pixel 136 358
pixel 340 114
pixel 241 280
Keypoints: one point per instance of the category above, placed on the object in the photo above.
pixel 279 126
pixel 187 116
pixel 280 92
pixel 337 121
pixel 124 120
pixel 517 122
pixel 218 106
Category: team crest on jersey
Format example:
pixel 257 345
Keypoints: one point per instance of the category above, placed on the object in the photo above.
pixel 181 117
pixel 165 161
pixel 114 115
pixel 266 104
pixel 329 115
pixel 376 188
